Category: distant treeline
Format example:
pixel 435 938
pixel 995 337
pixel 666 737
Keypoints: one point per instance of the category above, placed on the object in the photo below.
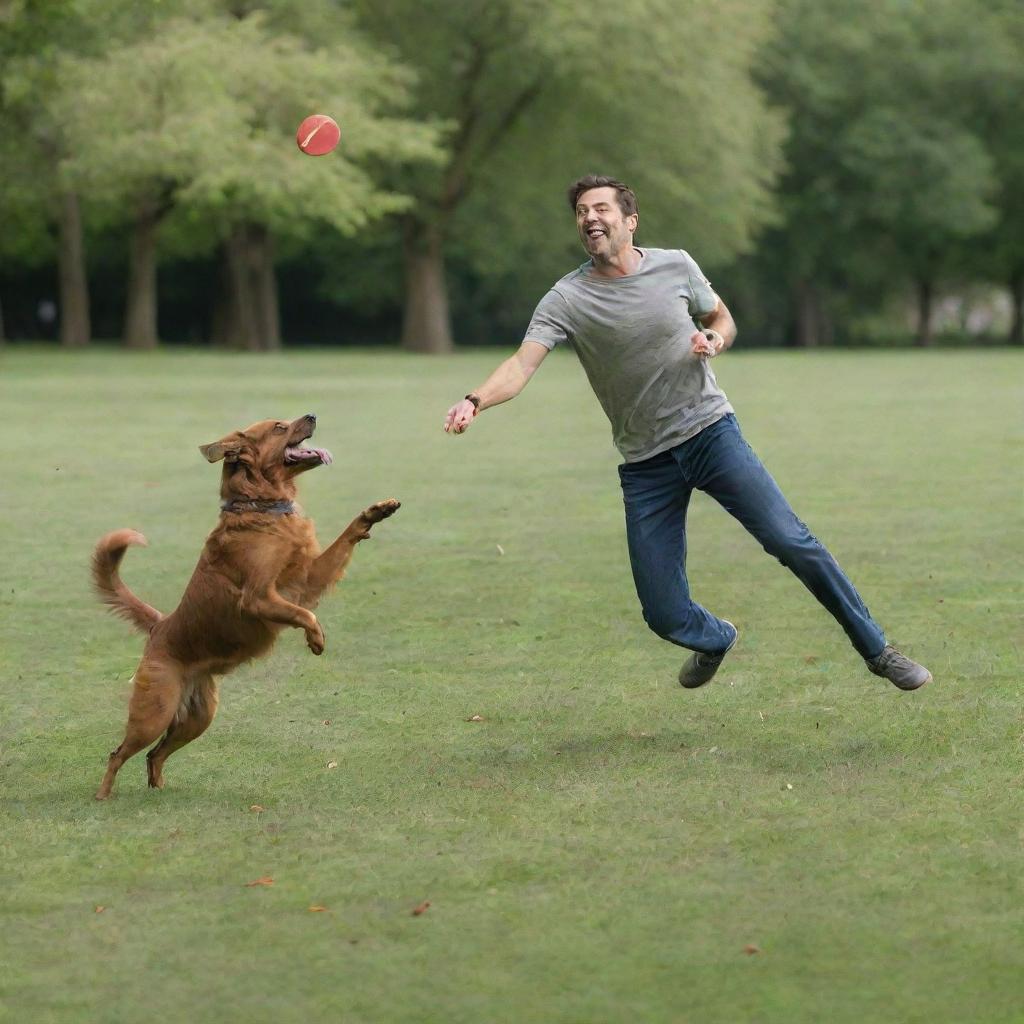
pixel 845 173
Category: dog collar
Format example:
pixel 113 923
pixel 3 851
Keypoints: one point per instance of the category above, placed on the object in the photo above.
pixel 274 508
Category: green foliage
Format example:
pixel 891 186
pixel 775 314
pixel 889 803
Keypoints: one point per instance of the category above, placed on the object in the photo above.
pixel 203 113
pixel 37 40
pixel 539 93
pixel 996 112
pixel 794 146
pixel 923 189
pixel 25 240
pixel 30 36
pixel 891 154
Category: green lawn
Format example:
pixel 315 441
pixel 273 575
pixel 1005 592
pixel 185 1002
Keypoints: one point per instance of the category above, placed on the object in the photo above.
pixel 603 846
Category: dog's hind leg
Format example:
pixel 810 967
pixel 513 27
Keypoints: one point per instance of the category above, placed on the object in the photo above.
pixel 154 702
pixel 330 566
pixel 193 719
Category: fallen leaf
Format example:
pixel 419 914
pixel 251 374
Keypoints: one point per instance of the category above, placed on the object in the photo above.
pixel 100 909
pixel 475 718
pixel 789 785
pixel 265 880
pixel 332 764
pixel 317 909
pixel 501 550
pixel 751 950
pixel 327 721
pixel 811 659
pixel 416 911
pixel 257 808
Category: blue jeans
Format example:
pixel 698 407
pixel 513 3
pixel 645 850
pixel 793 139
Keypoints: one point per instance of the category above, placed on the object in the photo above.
pixel 719 462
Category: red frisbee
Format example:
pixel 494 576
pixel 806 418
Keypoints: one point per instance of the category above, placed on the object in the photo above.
pixel 318 134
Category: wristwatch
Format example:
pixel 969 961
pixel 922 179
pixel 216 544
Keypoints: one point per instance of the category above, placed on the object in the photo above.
pixel 475 399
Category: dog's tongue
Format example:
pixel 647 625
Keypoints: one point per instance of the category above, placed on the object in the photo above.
pixel 300 453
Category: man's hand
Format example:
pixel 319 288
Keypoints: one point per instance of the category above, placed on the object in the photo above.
pixel 459 417
pixel 706 343
pixel 717 332
pixel 506 382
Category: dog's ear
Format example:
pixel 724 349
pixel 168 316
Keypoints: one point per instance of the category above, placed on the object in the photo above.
pixel 220 450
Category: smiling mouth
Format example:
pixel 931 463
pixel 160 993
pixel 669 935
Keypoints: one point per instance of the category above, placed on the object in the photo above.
pixel 300 453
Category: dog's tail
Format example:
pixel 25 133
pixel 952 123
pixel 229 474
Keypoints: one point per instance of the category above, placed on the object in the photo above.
pixel 109 586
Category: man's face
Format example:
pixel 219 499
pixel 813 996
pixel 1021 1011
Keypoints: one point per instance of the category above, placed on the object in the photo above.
pixel 603 229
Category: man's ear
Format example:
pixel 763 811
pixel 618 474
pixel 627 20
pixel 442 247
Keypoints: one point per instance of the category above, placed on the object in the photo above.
pixel 219 450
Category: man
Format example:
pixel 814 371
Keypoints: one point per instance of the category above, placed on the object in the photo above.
pixel 632 316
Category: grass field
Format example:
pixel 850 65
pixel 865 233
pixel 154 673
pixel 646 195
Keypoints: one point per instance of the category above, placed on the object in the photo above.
pixel 603 846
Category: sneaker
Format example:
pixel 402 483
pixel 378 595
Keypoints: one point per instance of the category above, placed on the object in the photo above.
pixel 899 669
pixel 700 668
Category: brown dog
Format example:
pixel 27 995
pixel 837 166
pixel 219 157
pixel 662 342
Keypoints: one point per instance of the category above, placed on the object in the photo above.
pixel 261 570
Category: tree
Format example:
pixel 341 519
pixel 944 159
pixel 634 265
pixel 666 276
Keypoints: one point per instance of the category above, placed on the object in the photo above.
pixel 36 196
pixel 538 92
pixel 202 114
pixel 995 99
pixel 888 167
pixel 924 189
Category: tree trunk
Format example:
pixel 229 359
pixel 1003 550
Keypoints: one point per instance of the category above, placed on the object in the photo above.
pixel 3 336
pixel 426 324
pixel 75 327
pixel 247 317
pixel 140 312
pixel 240 326
pixel 826 325
pixel 1017 295
pixel 268 311
pixel 808 320
pixel 925 294
pixel 220 318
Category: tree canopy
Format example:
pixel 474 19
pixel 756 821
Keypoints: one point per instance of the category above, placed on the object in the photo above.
pixel 828 165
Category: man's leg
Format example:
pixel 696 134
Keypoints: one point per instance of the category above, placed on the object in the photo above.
pixel 723 465
pixel 656 497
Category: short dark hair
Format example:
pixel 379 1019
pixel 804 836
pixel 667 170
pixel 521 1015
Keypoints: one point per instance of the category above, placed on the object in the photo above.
pixel 623 193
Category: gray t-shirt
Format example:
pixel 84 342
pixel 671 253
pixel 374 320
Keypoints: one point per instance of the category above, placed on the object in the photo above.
pixel 632 335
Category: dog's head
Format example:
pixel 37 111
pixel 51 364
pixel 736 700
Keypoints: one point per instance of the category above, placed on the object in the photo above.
pixel 263 460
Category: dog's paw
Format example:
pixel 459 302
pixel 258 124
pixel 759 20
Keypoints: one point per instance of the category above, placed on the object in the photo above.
pixel 315 639
pixel 381 510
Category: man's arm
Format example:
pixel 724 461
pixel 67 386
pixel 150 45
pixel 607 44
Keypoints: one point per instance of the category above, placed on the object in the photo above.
pixel 505 383
pixel 721 322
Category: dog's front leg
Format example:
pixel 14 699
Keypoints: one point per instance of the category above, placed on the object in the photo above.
pixel 272 607
pixel 330 566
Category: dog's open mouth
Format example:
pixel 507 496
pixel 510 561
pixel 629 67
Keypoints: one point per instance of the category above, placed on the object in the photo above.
pixel 300 453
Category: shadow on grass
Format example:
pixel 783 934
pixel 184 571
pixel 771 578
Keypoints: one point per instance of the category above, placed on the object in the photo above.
pixel 753 751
